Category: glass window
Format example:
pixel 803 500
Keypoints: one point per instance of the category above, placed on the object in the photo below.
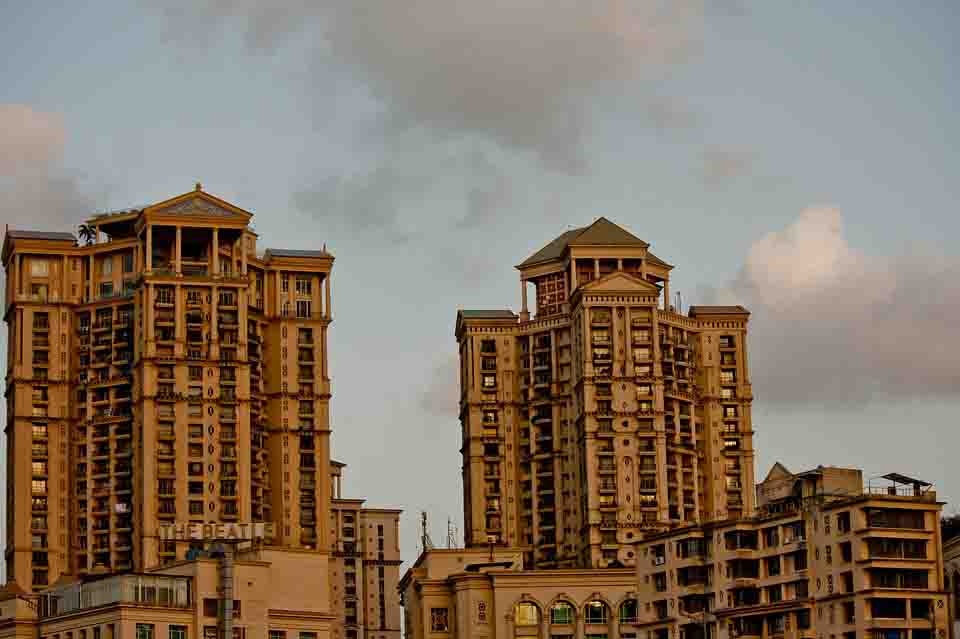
pixel 595 612
pixel 278 634
pixel 144 631
pixel 177 632
pixel 562 613
pixel 526 614
pixel 439 621
pixel 628 611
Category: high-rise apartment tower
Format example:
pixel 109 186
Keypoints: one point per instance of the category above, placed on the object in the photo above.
pixel 162 370
pixel 604 415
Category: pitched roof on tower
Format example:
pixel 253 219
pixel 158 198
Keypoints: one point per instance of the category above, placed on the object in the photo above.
pixel 602 232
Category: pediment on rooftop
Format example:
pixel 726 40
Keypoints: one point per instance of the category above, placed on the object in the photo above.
pixel 199 204
pixel 620 282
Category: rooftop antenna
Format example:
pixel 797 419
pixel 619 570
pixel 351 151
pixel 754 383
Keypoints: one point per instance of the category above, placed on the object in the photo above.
pixel 425 540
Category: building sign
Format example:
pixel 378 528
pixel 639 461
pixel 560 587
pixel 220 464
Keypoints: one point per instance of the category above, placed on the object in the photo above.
pixel 257 531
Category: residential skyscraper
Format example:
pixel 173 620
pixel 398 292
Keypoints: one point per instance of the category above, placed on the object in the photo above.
pixel 161 371
pixel 606 413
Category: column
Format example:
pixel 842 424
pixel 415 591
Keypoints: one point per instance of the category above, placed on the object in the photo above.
pixel 619 263
pixel 17 267
pixel 149 248
pixel 666 295
pixel 243 254
pixel 523 297
pixel 90 288
pixel 596 269
pixel 177 255
pixel 215 251
pixel 328 309
pixel 573 276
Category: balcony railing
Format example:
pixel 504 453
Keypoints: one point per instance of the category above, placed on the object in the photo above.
pixel 159 591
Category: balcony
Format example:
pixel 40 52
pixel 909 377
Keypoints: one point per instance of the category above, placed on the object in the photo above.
pixel 155 591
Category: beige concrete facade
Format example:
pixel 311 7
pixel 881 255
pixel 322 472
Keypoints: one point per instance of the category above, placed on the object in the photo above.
pixel 823 557
pixel 278 594
pixel 951 566
pixel 606 414
pixel 163 372
pixel 364 567
pixel 486 594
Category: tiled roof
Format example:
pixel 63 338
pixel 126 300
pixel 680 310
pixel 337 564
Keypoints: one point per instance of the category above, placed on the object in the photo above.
pixel 41 235
pixel 488 314
pixel 602 232
pixel 718 310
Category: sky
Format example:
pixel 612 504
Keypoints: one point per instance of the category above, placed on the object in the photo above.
pixel 798 158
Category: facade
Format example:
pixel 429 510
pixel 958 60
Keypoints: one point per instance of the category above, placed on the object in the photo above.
pixel 478 593
pixel 822 557
pixel 951 566
pixel 279 594
pixel 364 567
pixel 606 414
pixel 163 371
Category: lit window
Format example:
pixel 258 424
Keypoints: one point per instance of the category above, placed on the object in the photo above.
pixel 526 614
pixel 39 268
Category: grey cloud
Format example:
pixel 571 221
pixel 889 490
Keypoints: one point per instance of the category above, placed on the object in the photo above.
pixel 831 324
pixel 523 73
pixel 723 165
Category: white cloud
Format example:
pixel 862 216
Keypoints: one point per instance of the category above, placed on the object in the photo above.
pixel 833 324
pixel 35 193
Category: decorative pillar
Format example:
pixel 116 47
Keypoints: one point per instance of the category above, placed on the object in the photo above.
pixel 619 263
pixel 215 250
pixel 328 308
pixel 524 313
pixel 573 276
pixel 666 295
pixel 17 268
pixel 177 256
pixel 596 269
pixel 643 269
pixel 90 266
pixel 243 254
pixel 149 248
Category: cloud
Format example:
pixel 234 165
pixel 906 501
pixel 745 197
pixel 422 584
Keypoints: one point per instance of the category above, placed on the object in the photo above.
pixel 35 191
pixel 832 324
pixel 397 198
pixel 721 165
pixel 442 394
pixel 523 73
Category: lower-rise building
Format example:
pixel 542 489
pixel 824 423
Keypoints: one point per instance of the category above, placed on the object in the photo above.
pixel 951 566
pixel 275 594
pixel 822 557
pixel 364 566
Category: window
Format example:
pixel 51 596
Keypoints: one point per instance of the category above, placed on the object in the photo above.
pixel 308 635
pixel 489 381
pixel 278 634
pixel 128 262
pixel 106 267
pixel 39 268
pixel 177 632
pixel 210 607
pixel 526 614
pixel 144 631
pixel 439 621
pixel 629 611
pixel 562 613
pixel 303 308
pixel 595 612
pixel 285 283
pixel 303 285
pixel 843 522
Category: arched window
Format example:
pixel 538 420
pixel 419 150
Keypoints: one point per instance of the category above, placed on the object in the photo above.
pixel 596 611
pixel 629 611
pixel 526 614
pixel 562 613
